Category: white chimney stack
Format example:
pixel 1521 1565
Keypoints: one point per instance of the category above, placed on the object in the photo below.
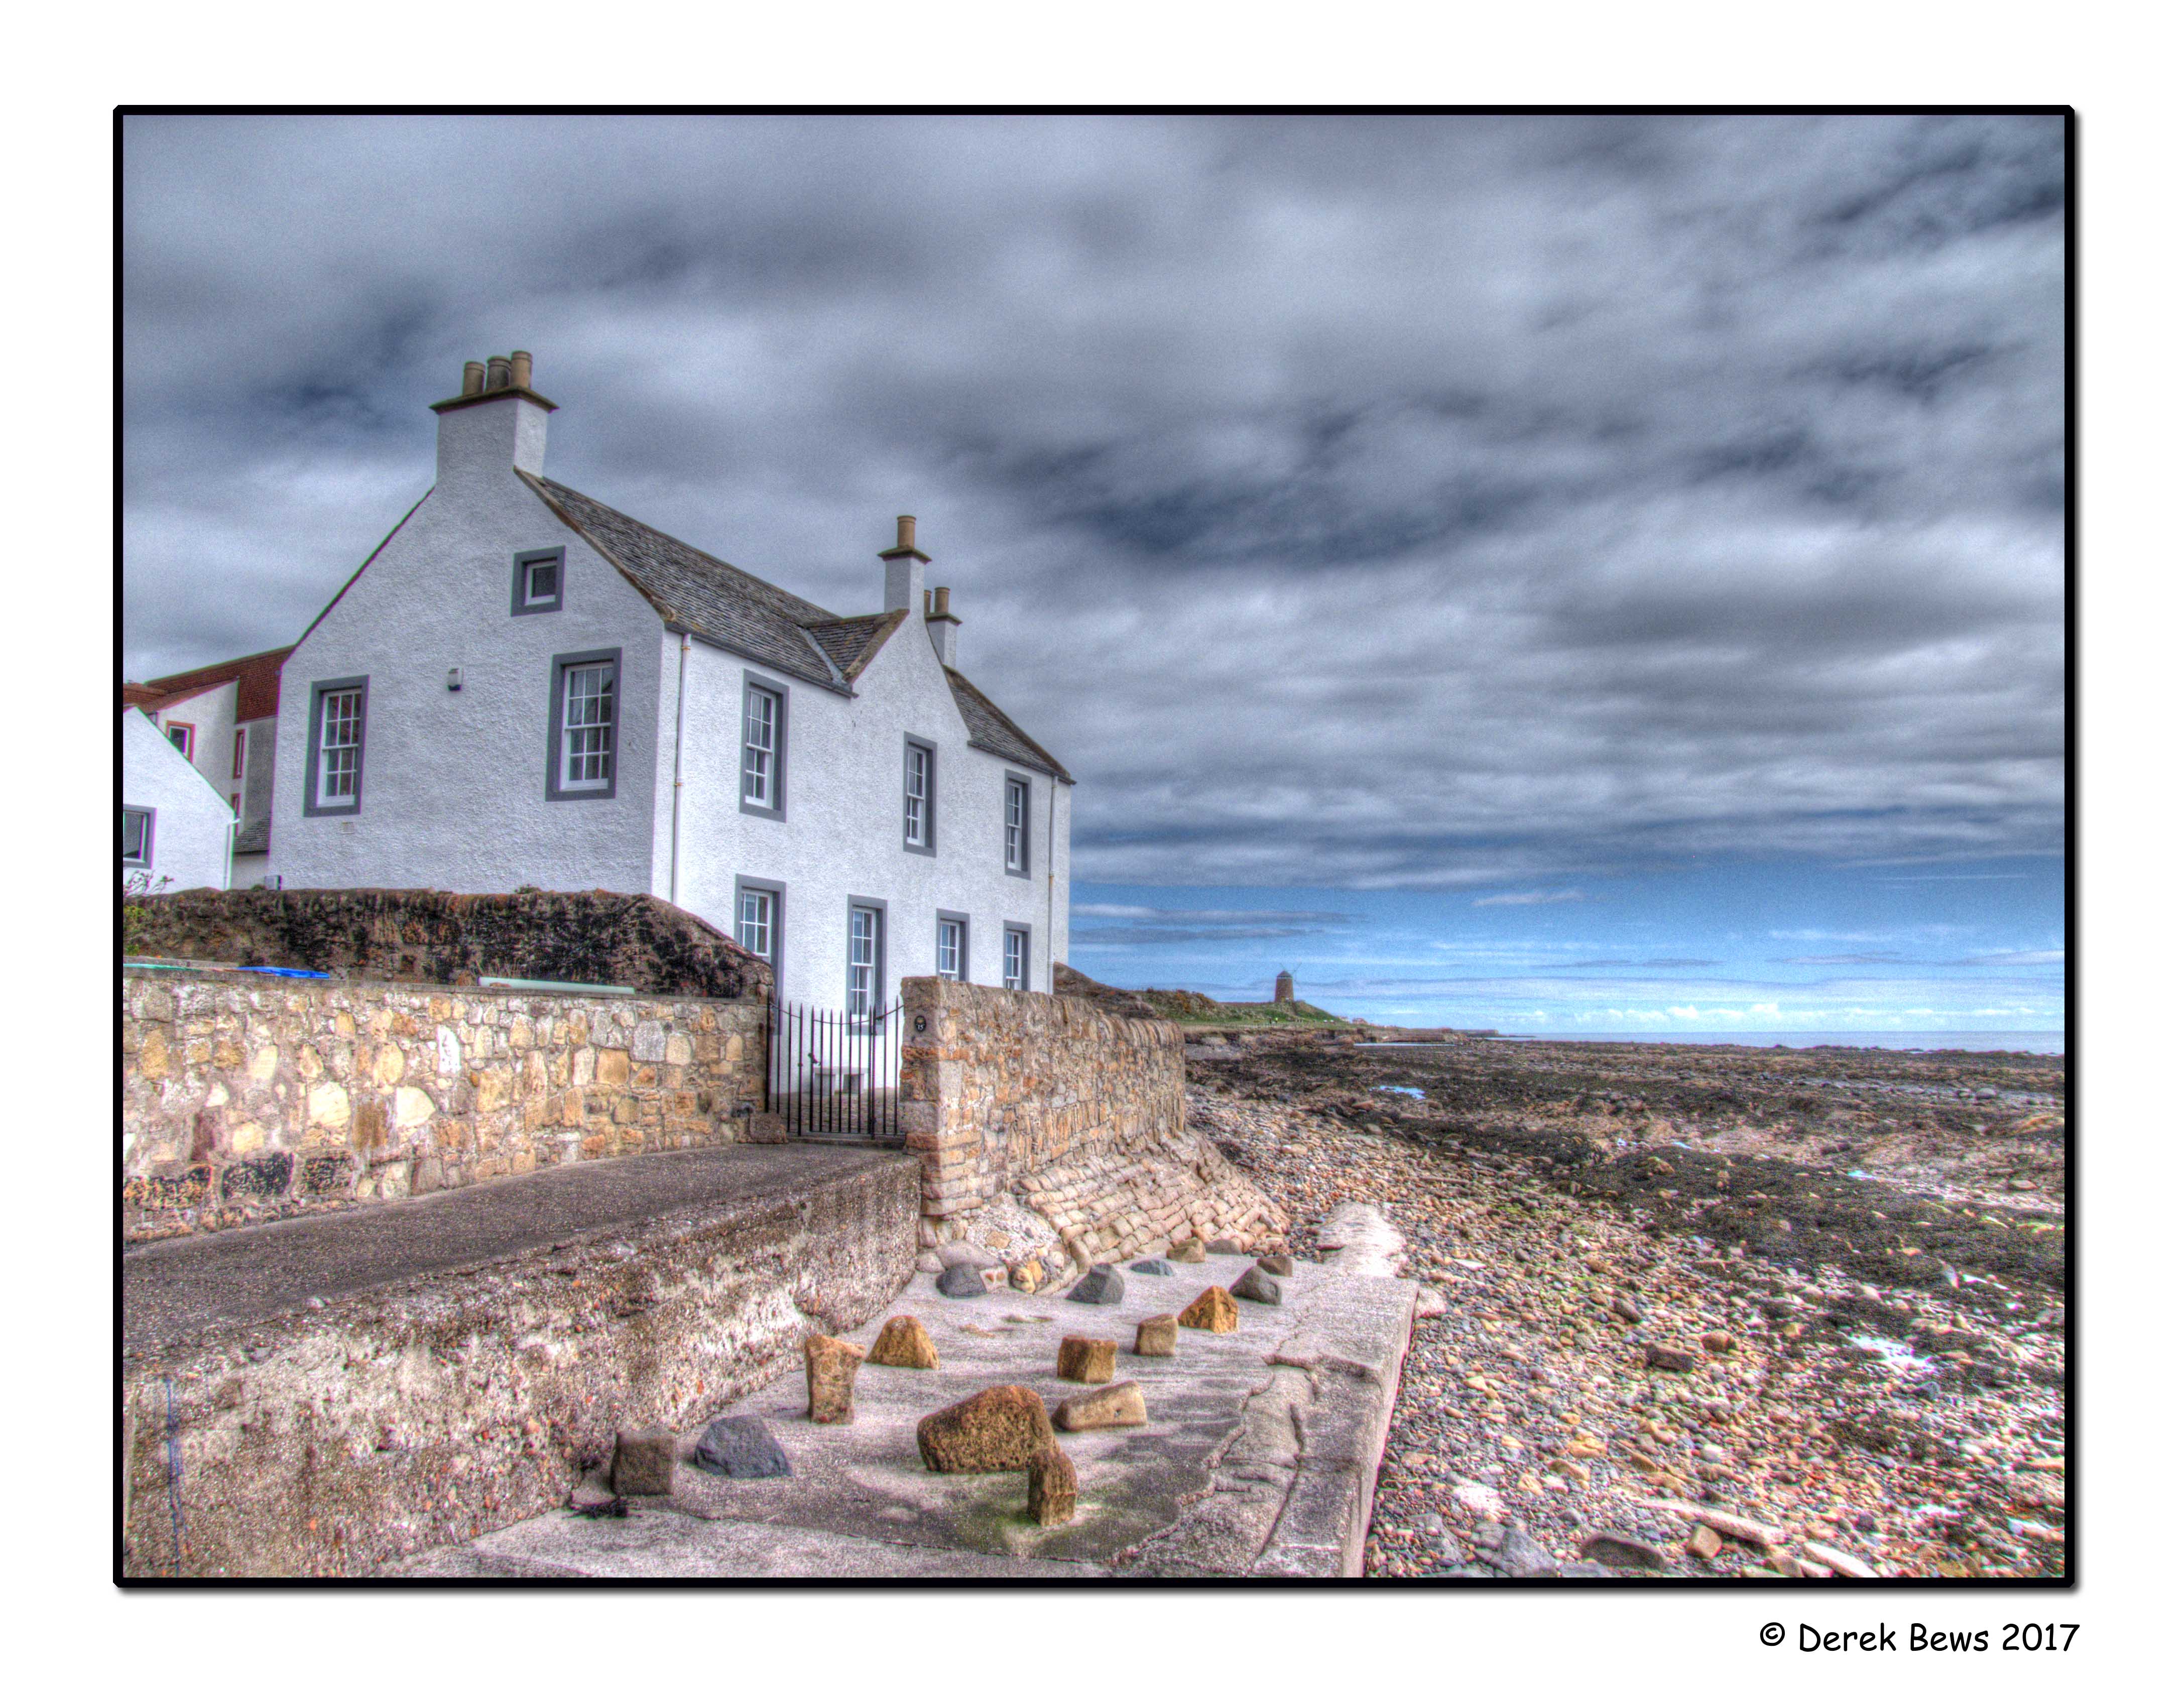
pixel 941 626
pixel 495 423
pixel 905 567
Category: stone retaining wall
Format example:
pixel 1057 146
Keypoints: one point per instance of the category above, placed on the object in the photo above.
pixel 1078 1114
pixel 332 1440
pixel 248 1098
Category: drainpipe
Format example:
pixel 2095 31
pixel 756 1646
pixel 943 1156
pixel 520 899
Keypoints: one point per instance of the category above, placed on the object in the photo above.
pixel 675 823
pixel 1051 783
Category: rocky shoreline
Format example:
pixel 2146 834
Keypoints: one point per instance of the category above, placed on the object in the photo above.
pixel 1710 1311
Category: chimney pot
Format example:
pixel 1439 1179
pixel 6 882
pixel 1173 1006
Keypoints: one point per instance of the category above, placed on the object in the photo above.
pixel 905 533
pixel 496 374
pixel 473 378
pixel 939 601
pixel 519 369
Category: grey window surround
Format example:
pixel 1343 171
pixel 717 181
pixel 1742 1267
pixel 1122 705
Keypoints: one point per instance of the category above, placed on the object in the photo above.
pixel 563 662
pixel 361 685
pixel 940 918
pixel 1011 784
pixel 142 859
pixel 753 680
pixel 556 554
pixel 931 846
pixel 748 883
pixel 1017 927
pixel 879 906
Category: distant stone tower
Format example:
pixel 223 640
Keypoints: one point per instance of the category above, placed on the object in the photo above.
pixel 1284 988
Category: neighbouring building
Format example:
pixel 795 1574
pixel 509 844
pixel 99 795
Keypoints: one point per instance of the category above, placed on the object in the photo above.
pixel 522 686
pixel 176 829
pixel 221 717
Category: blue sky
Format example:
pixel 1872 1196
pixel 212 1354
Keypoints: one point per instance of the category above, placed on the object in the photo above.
pixel 1711 949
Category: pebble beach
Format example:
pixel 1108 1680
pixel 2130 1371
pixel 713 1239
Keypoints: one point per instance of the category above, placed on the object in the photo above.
pixel 1708 1311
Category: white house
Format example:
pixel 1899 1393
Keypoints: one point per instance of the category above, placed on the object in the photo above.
pixel 175 827
pixel 523 686
pixel 222 718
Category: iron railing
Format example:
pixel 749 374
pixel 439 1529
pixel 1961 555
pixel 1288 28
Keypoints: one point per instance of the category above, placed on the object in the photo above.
pixel 836 1076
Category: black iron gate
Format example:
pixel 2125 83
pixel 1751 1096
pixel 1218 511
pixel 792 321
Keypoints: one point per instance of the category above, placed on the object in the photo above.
pixel 836 1076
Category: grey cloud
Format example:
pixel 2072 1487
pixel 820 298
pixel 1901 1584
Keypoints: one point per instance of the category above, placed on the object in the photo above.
pixel 1368 501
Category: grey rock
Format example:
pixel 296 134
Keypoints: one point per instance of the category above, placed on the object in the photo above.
pixel 966 1254
pixel 743 1446
pixel 1609 1548
pixel 928 1262
pixel 1521 1556
pixel 961 1279
pixel 1158 1267
pixel 1256 1285
pixel 1102 1285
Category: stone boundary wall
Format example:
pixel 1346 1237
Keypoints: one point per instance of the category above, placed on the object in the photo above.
pixel 445 938
pixel 1078 1114
pixel 247 1098
pixel 997 1084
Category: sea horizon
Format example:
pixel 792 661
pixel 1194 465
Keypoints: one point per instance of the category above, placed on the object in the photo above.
pixel 1938 1040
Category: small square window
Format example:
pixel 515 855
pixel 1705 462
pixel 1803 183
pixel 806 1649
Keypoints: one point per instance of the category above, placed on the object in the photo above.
pixel 181 736
pixel 537 584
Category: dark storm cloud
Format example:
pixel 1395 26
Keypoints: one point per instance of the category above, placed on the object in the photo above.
pixel 1371 501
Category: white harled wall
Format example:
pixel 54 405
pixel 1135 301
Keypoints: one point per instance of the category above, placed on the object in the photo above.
pixel 842 835
pixel 454 789
pixel 191 823
pixel 454 782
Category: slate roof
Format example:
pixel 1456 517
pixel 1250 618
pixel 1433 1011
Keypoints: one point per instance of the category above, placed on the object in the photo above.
pixel 257 694
pixel 992 731
pixel 694 590
pixel 855 640
pixel 254 835
pixel 716 601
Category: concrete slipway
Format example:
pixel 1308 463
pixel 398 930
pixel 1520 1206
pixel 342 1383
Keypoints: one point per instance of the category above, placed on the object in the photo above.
pixel 1259 1458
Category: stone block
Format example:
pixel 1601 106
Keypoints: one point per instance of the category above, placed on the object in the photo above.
pixel 1116 1406
pixel 830 1373
pixel 1156 1267
pixel 1258 1285
pixel 1050 1482
pixel 644 1461
pixel 1157 1335
pixel 1213 1309
pixel 1086 1360
pixel 998 1430
pixel 904 1342
pixel 1281 1266
pixel 1191 1249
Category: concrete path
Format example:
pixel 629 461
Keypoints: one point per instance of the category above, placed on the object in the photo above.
pixel 186 1285
pixel 1260 1457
